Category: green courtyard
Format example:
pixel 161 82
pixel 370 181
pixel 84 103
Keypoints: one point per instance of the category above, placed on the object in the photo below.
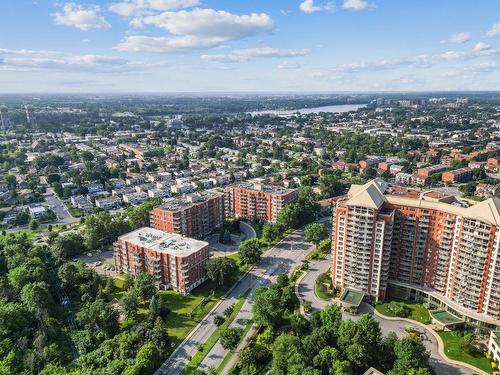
pixel 453 349
pixel 405 309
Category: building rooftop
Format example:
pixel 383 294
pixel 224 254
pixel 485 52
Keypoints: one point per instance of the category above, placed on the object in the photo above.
pixel 257 186
pixel 168 243
pixel 176 204
pixel 444 317
pixel 352 297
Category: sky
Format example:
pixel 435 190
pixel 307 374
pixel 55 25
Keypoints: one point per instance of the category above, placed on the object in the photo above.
pixel 168 46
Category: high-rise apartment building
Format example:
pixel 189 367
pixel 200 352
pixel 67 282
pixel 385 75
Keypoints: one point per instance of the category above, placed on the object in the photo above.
pixel 195 215
pixel 175 261
pixel 422 246
pixel 257 201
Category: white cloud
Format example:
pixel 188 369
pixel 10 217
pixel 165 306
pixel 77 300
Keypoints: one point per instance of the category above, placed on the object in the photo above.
pixel 59 61
pixel 130 8
pixel 81 17
pixel 290 65
pixel 481 46
pixel 254 53
pixel 197 29
pixel 355 4
pixel 459 38
pixel 495 30
pixel 308 6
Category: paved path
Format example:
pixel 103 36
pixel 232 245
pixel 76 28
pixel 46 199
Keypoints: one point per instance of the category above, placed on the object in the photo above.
pixel 305 289
pixel 281 258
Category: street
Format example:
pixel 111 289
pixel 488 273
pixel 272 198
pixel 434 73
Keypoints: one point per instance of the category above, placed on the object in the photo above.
pixel 281 258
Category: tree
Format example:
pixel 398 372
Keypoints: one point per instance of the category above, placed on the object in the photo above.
pixel 271 232
pixel 315 233
pixel 410 354
pixel 230 338
pixel 33 225
pixel 37 296
pixel 331 317
pixel 148 358
pixel 99 318
pixel 144 286
pixel 465 341
pixel 286 351
pixel 330 185
pixel 249 251
pixel 253 355
pixel 220 270
pixel 282 280
pixel 130 303
pixel 267 309
pixel 68 245
pixel 219 320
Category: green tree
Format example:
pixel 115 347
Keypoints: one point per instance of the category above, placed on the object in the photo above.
pixel 37 296
pixel 315 233
pixel 220 270
pixel 286 352
pixel 99 318
pixel 267 308
pixel 144 286
pixel 148 358
pixel 68 245
pixel 410 354
pixel 249 251
pixel 230 337
pixel 33 225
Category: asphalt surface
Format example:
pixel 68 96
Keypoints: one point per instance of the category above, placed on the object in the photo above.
pixel 306 291
pixel 56 205
pixel 281 258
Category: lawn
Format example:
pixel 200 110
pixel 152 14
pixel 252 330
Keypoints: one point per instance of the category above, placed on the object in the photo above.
pixel 452 350
pixel 212 340
pixel 418 311
pixel 241 267
pixel 187 311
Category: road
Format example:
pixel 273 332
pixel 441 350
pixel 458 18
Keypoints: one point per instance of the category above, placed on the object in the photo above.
pixel 306 292
pixel 56 205
pixel 280 258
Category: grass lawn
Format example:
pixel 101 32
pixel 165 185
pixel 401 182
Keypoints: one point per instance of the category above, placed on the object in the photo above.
pixel 452 350
pixel 418 312
pixel 212 340
pixel 321 294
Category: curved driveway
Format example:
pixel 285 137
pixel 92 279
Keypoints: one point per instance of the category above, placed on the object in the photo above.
pixel 306 292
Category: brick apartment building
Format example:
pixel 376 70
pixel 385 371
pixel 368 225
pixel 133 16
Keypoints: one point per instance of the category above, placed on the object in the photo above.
pixel 175 261
pixel 457 175
pixel 194 216
pixel 424 247
pixel 257 201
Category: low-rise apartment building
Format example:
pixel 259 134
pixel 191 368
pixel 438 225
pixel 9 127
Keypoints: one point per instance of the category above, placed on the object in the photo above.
pixel 195 215
pixel 257 201
pixel 457 175
pixel 175 261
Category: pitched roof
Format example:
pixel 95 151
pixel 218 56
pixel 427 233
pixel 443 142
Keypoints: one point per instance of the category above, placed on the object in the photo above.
pixel 488 210
pixel 369 195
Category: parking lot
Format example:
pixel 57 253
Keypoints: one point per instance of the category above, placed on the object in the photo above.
pixel 102 262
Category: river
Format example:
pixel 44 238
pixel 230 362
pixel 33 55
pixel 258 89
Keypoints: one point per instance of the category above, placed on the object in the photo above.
pixel 340 108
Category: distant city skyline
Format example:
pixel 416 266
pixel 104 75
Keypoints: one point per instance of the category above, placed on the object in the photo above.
pixel 134 46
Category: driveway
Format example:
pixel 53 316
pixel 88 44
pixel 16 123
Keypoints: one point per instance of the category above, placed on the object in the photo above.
pixel 306 292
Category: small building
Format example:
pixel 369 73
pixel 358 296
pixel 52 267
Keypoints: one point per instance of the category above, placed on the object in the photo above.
pixel 486 190
pixel 445 320
pixel 351 299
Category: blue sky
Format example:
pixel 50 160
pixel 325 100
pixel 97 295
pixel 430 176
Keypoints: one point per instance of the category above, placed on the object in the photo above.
pixel 248 45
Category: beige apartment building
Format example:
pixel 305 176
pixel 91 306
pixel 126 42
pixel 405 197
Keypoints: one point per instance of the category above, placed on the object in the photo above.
pixel 421 246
